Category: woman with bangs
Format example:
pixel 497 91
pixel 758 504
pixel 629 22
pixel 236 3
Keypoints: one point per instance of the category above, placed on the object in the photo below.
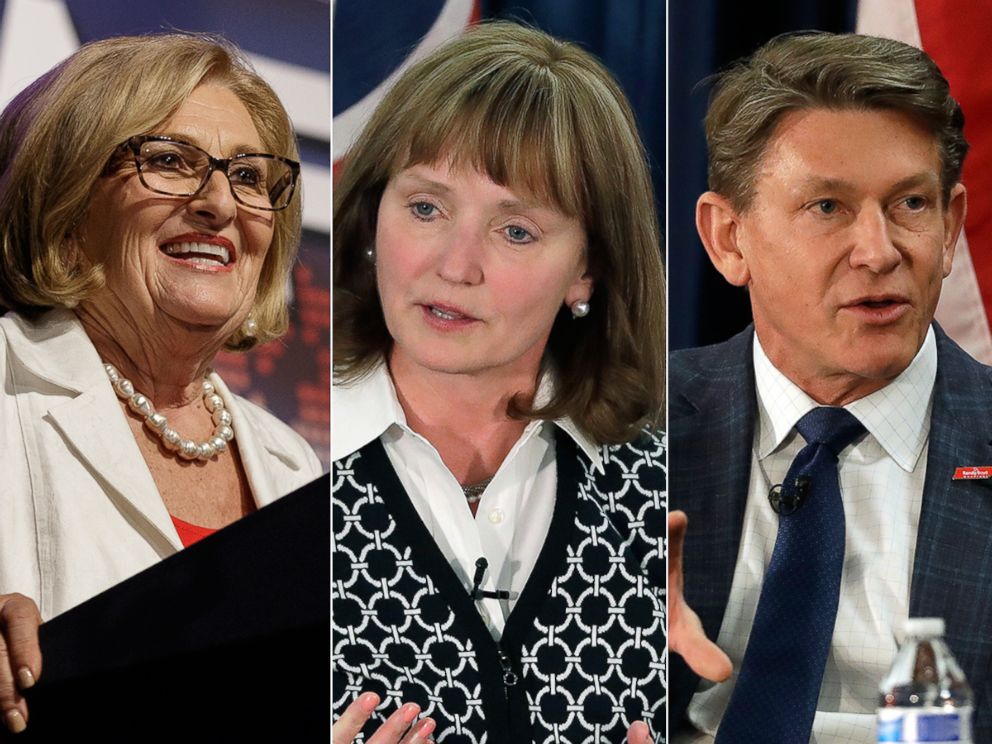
pixel 499 487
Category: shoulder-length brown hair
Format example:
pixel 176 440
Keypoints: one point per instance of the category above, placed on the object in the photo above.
pixel 543 116
pixel 57 136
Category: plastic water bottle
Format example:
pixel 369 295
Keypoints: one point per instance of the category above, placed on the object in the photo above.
pixel 924 697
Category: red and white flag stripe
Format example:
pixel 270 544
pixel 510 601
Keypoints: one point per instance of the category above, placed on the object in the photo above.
pixel 956 36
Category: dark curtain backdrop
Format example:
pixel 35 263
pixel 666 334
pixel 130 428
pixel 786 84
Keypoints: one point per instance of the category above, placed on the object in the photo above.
pixel 629 38
pixel 705 36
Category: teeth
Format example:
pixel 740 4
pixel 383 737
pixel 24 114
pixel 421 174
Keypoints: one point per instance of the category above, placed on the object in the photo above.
pixel 204 250
pixel 446 315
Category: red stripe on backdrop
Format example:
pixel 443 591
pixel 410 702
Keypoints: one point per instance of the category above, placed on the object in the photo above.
pixel 956 35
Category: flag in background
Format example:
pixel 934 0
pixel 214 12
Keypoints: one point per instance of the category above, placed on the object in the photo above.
pixel 374 42
pixel 956 36
pixel 706 35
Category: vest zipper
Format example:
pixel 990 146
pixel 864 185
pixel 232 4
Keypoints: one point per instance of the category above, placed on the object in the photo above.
pixel 510 677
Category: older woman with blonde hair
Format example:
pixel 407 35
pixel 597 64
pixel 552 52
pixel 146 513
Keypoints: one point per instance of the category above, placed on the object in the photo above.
pixel 147 220
pixel 499 489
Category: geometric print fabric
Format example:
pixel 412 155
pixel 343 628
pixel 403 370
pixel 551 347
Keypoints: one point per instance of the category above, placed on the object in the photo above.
pixel 583 648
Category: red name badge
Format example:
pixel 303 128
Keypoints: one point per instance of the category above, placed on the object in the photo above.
pixel 975 472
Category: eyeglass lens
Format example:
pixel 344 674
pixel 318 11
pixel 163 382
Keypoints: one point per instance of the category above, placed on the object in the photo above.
pixel 180 169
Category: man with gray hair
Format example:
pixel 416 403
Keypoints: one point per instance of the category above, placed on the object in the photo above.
pixel 816 453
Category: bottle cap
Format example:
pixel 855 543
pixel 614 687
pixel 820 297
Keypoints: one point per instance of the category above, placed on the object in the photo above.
pixel 925 626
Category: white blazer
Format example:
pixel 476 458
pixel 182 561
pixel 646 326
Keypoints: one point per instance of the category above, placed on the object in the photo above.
pixel 79 511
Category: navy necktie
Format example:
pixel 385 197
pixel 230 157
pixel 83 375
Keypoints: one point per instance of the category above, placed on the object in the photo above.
pixel 774 700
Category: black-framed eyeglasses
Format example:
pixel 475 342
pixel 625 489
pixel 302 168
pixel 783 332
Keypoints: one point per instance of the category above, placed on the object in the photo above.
pixel 169 166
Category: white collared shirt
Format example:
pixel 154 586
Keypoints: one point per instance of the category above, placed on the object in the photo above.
pixel 514 514
pixel 881 481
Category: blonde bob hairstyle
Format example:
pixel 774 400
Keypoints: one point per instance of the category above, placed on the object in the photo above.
pixel 544 118
pixel 58 135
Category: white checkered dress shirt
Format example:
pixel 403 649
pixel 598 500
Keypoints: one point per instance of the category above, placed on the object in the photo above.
pixel 881 481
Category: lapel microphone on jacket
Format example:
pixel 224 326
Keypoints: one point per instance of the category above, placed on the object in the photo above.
pixel 477 591
pixel 786 501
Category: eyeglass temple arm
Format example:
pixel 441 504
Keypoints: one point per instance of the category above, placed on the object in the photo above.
pixel 284 182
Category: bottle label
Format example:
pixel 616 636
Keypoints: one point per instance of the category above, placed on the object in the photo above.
pixel 924 725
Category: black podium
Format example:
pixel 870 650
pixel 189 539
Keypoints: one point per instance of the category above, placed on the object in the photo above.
pixel 229 640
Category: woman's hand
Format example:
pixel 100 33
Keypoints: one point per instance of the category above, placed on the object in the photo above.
pixel 390 732
pixel 20 657
pixel 685 631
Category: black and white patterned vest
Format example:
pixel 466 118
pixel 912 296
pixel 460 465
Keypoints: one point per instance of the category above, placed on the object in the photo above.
pixel 583 651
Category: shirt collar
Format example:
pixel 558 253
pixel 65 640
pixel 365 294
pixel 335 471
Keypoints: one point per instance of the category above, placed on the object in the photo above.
pixel 898 415
pixel 363 409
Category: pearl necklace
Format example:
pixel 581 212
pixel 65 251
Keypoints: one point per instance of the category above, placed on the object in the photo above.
pixel 473 493
pixel 172 440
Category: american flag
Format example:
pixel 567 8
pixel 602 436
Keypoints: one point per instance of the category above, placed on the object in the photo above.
pixel 956 36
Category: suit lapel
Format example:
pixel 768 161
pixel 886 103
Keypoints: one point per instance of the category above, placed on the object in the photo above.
pixel 267 460
pixel 953 562
pixel 54 355
pixel 95 429
pixel 712 443
pixel 713 414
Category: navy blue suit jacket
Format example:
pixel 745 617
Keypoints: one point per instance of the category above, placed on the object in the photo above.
pixel 713 413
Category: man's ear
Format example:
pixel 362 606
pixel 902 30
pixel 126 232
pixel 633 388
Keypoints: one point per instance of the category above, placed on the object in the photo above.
pixel 718 225
pixel 954 214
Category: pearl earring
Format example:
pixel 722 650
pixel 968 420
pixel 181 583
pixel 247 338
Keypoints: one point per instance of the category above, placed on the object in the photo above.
pixel 580 309
pixel 250 327
pixel 370 254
